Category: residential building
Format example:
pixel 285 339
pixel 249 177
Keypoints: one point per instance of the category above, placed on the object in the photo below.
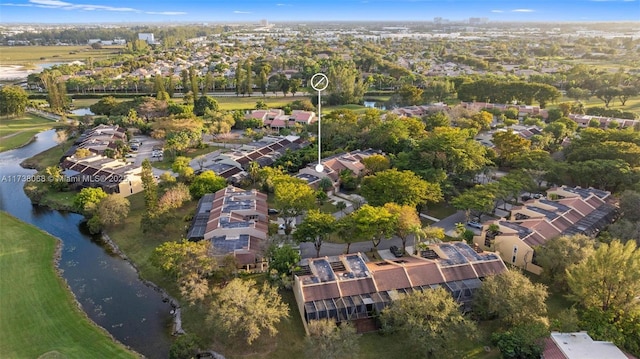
pixel 580 346
pixel 276 119
pixel 351 288
pixel 235 221
pixel 112 175
pixel 98 140
pixel 603 122
pixel 567 211
pixel 334 165
pixel 265 152
pixel 147 37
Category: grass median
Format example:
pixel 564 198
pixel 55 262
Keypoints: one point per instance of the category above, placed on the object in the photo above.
pixel 39 315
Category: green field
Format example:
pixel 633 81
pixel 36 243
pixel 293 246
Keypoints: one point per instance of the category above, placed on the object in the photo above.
pixel 18 131
pixel 632 105
pixel 20 55
pixel 38 313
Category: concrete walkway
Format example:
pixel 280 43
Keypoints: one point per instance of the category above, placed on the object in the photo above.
pixel 434 219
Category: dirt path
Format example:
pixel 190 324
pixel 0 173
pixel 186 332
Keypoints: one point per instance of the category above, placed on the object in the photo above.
pixel 19 132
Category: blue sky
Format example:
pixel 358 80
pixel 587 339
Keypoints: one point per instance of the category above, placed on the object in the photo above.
pixel 91 11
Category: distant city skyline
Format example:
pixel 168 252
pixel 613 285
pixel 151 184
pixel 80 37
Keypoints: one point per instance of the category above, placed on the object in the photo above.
pixel 119 11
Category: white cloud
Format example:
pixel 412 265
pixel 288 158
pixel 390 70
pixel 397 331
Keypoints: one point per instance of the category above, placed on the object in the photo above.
pixel 57 4
pixel 242 12
pixel 523 10
pixel 497 11
pixel 50 2
pixel 165 12
pixel 12 4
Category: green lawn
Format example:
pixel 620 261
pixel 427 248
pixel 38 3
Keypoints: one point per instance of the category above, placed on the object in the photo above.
pixel 47 158
pixel 167 161
pixel 16 55
pixel 351 107
pixel 439 210
pixel 18 131
pixel 632 105
pixel 38 313
pixel 244 103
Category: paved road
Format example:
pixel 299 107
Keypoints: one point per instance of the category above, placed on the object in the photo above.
pixel 449 223
pixel 307 250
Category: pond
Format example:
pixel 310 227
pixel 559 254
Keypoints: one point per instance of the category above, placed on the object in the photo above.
pixel 374 104
pixel 82 112
pixel 107 287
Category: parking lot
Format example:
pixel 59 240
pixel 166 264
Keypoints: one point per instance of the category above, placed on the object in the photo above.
pixel 145 150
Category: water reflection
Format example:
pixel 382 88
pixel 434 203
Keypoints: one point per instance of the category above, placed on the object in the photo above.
pixel 107 287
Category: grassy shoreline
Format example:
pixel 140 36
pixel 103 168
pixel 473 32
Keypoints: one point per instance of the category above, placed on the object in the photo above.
pixel 20 131
pixel 38 303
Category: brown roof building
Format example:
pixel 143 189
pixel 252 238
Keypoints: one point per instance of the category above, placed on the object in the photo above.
pixel 332 166
pixel 568 211
pixel 234 220
pixel 99 139
pixel 350 288
pixel 112 175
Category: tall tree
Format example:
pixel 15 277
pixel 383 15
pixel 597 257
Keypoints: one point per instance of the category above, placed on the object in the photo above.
pixel 402 187
pixel 376 163
pixel 511 298
pixel 113 210
pixel 315 228
pixel 326 340
pixel 189 263
pixel 607 279
pixel 560 253
pixel 476 201
pixel 88 199
pixel 243 310
pixel 431 322
pixel 408 221
pixel 203 103
pixel 248 78
pixel 509 146
pixel 374 223
pixel 150 188
pixel 206 182
pixel 293 198
pixel 13 100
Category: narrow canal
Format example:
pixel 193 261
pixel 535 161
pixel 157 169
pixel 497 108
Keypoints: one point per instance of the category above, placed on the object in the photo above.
pixel 107 287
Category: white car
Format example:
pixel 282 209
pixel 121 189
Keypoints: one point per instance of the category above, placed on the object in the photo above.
pixel 474 224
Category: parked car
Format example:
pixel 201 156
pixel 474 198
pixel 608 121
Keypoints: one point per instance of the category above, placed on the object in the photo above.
pixel 396 251
pixel 474 224
pixel 272 211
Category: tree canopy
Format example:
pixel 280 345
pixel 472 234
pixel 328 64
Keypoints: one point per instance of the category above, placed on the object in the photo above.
pixel 560 253
pixel 293 197
pixel 206 182
pixel 243 310
pixel 315 228
pixel 401 187
pixel 608 278
pixel 13 100
pixel 373 223
pixel 511 298
pixel 326 340
pixel 431 322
